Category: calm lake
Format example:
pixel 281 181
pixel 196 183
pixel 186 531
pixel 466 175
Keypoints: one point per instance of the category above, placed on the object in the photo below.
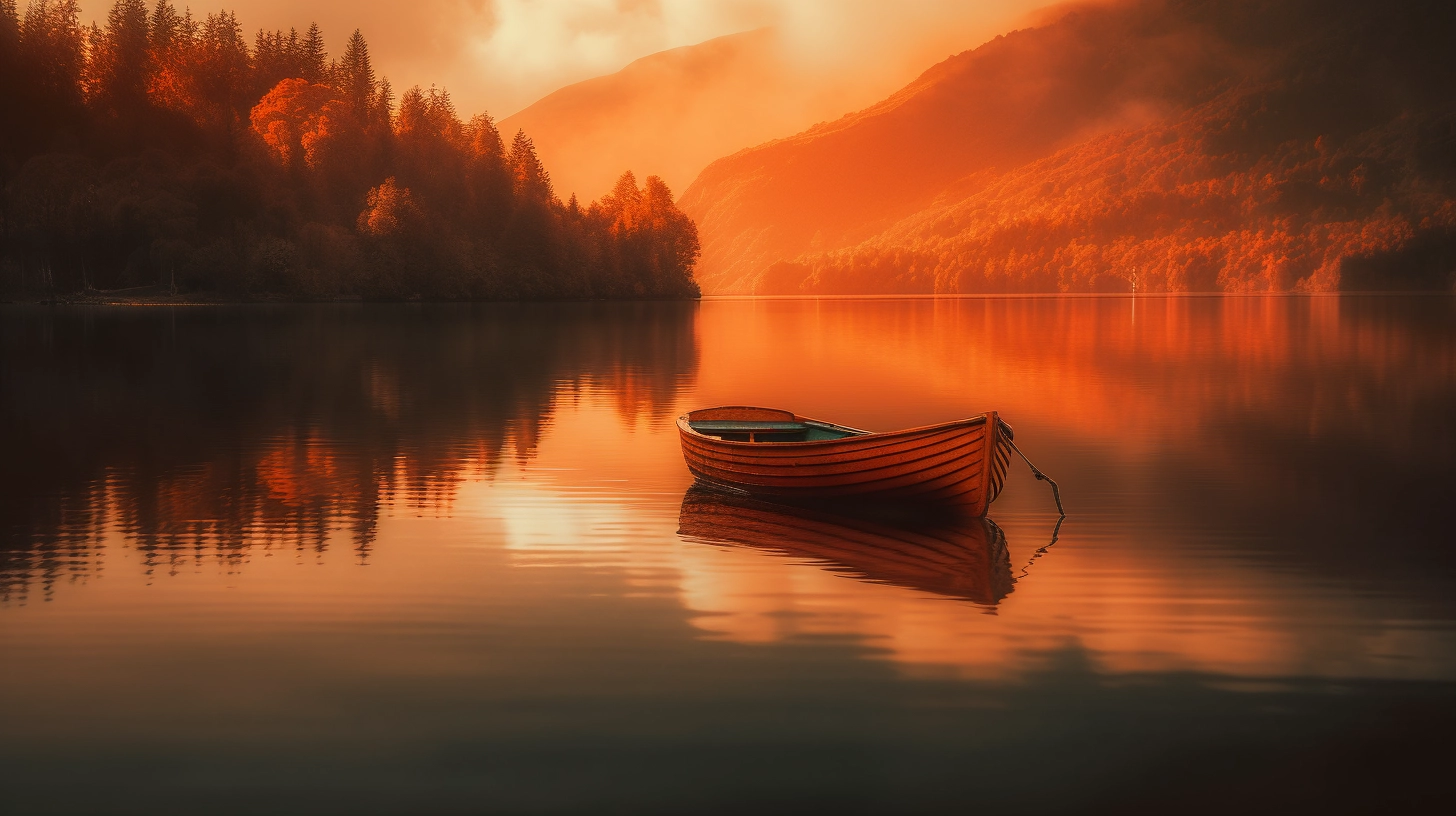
pixel 444 559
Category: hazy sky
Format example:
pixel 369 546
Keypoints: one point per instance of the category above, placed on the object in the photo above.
pixel 501 55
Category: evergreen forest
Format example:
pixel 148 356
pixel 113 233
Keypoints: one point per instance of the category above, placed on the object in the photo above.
pixel 163 152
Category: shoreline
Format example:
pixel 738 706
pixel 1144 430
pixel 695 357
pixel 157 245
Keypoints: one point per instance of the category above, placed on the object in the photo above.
pixel 152 297
pixel 198 299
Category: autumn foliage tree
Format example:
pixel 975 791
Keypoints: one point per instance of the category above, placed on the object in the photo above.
pixel 157 149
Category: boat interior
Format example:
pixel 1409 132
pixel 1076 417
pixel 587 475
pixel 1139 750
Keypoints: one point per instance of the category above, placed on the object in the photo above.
pixel 740 431
pixel 764 425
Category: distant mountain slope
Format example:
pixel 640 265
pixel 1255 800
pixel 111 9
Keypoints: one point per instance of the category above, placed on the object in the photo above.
pixel 1189 143
pixel 669 114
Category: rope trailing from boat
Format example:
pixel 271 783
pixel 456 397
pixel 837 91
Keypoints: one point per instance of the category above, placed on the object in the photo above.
pixel 1056 491
pixel 1056 532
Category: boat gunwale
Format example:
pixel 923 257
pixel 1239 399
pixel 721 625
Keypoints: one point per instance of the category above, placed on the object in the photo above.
pixel 685 426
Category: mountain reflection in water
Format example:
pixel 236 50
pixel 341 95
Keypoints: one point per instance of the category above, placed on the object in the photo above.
pixel 417 558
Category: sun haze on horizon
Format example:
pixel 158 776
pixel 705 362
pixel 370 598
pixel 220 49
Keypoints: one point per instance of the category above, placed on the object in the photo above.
pixel 499 56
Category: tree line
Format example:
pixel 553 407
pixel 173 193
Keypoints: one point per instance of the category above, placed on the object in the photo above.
pixel 161 149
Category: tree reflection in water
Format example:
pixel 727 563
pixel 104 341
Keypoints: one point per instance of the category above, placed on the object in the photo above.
pixel 203 433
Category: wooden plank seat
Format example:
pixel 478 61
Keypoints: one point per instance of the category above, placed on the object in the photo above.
pixel 731 425
pixel 749 430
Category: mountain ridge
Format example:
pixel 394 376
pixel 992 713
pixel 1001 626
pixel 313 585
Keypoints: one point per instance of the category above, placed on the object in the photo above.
pixel 781 217
pixel 672 112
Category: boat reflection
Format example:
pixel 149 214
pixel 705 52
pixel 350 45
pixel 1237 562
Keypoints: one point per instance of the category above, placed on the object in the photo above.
pixel 955 557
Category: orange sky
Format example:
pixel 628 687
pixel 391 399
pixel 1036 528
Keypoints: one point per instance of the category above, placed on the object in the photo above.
pixel 501 55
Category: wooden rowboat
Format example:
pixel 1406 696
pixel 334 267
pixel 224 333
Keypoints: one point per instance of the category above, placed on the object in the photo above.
pixel 965 558
pixel 775 454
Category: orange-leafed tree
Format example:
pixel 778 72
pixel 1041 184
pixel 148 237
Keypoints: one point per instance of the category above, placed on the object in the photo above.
pixel 295 121
pixel 390 212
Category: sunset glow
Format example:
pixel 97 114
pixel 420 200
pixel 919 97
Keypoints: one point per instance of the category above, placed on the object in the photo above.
pixel 501 55
pixel 727 406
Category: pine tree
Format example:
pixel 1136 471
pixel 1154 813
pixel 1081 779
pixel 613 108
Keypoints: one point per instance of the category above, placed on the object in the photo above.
pixel 444 121
pixel 94 61
pixel 531 181
pixel 412 114
pixel 224 65
pixel 623 203
pixel 484 139
pixel 276 57
pixel 675 243
pixel 313 60
pixel 162 28
pixel 9 29
pixel 121 62
pixel 9 54
pixel 487 178
pixel 170 40
pixel 187 28
pixel 384 102
pixel 356 76
pixel 52 49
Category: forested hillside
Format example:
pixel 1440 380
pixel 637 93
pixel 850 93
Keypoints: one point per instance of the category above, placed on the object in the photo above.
pixel 1175 145
pixel 164 150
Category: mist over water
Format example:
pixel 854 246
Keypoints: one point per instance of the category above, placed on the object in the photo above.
pixel 440 558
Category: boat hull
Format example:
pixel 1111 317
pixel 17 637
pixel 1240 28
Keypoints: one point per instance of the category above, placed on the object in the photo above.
pixel 959 465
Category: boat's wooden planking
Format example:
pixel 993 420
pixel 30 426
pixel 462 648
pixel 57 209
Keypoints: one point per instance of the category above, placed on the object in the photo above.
pixel 957 463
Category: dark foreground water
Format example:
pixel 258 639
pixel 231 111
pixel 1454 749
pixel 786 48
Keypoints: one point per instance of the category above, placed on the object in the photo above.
pixel 417 559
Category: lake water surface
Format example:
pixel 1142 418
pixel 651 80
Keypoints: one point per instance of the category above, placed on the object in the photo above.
pixel 445 559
